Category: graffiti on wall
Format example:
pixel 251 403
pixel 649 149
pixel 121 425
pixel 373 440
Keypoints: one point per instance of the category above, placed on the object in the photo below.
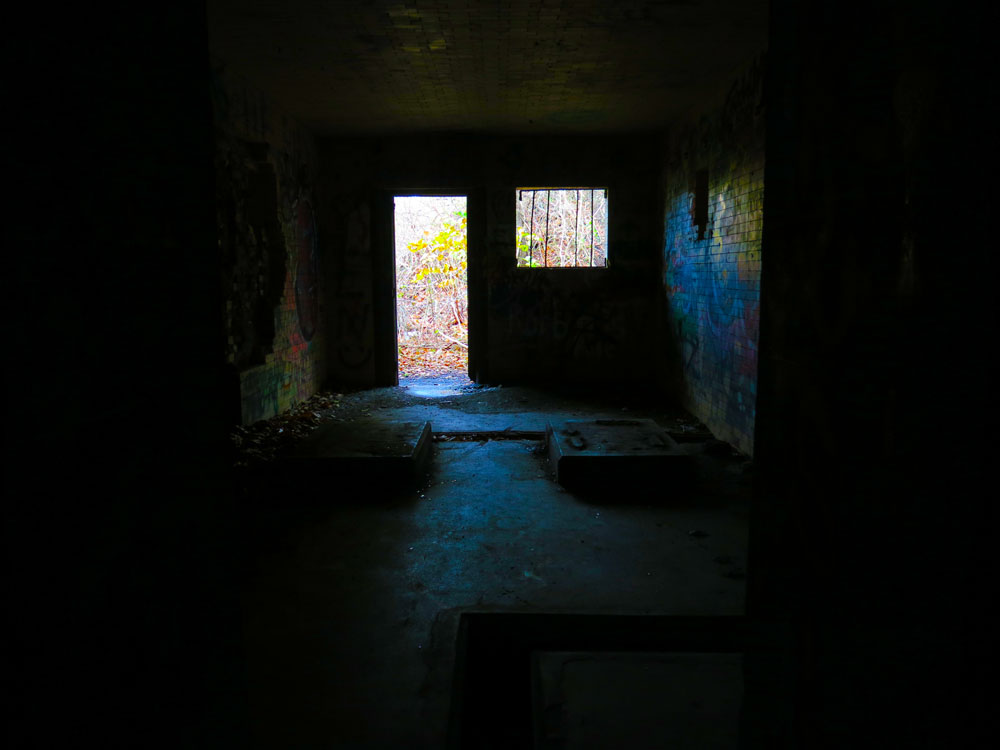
pixel 269 250
pixel 578 328
pixel 712 257
pixel 713 291
pixel 589 330
pixel 289 373
pixel 577 324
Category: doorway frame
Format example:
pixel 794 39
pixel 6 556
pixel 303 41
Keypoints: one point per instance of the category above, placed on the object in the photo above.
pixel 386 353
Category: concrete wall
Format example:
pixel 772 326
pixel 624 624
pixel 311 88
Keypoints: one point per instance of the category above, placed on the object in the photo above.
pixel 121 567
pixel 571 325
pixel 271 245
pixel 875 424
pixel 712 258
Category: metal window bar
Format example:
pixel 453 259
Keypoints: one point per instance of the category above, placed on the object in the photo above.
pixel 592 227
pixel 576 232
pixel 531 232
pixel 562 247
pixel 545 246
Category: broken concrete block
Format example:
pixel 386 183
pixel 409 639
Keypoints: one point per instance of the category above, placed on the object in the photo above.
pixel 623 453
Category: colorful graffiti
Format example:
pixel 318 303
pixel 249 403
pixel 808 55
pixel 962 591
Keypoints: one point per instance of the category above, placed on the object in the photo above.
pixel 713 291
pixel 712 257
pixel 580 328
pixel 572 328
pixel 269 250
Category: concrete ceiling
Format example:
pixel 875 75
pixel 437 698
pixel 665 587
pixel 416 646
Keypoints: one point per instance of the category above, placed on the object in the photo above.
pixel 486 66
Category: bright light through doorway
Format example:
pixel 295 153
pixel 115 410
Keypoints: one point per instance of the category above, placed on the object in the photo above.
pixel 432 300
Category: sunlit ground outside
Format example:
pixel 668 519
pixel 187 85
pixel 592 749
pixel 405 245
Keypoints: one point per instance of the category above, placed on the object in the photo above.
pixel 432 323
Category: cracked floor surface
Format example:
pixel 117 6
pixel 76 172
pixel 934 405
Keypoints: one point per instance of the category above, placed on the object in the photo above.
pixel 351 600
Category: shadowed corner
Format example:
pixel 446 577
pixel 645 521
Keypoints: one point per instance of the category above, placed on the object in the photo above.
pixel 212 539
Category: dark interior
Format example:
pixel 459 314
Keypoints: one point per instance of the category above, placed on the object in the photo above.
pixel 799 251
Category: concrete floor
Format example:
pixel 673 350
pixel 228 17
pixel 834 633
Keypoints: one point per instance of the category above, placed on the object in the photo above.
pixel 351 602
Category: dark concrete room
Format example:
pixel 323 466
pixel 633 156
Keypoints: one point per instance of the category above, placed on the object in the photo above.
pixel 533 374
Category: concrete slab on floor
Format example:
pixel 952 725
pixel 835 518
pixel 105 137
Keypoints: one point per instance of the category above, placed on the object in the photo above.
pixel 447 419
pixel 383 449
pixel 601 453
pixel 353 604
pixel 577 680
pixel 351 621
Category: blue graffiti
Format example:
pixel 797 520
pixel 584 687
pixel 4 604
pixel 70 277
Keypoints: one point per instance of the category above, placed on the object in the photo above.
pixel 713 295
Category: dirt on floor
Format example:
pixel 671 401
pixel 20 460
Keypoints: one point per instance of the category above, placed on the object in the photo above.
pixel 450 358
pixel 262 441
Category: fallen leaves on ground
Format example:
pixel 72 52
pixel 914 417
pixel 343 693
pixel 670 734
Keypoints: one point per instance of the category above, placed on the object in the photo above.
pixel 421 361
pixel 261 441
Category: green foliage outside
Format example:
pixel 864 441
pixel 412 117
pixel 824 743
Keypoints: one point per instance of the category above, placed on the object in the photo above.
pixel 431 281
pixel 561 227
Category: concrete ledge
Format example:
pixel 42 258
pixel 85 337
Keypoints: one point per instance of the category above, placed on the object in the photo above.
pixel 604 454
pixel 376 452
pixel 497 680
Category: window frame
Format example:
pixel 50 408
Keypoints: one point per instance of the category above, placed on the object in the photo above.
pixel 519 194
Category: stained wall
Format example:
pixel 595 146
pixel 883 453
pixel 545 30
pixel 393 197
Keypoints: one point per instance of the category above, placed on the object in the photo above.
pixel 271 245
pixel 122 562
pixel 569 325
pixel 712 228
pixel 874 443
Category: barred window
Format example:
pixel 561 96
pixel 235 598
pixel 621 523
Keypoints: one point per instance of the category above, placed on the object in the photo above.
pixel 562 227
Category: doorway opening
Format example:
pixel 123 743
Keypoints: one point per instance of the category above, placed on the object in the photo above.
pixel 432 297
